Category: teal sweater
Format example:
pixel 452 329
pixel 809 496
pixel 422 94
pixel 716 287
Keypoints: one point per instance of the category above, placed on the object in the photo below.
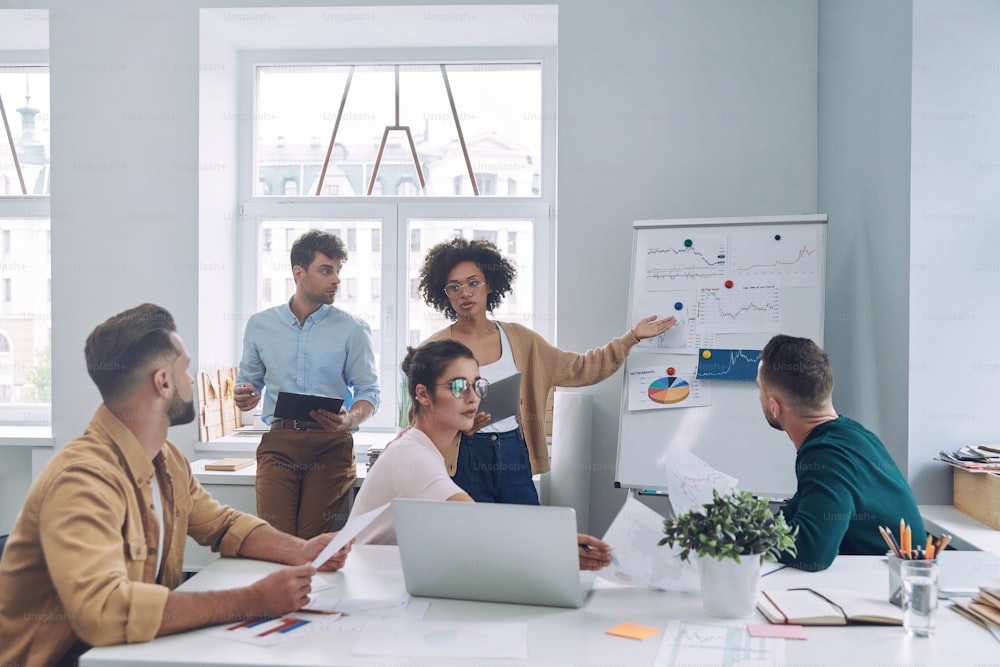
pixel 848 486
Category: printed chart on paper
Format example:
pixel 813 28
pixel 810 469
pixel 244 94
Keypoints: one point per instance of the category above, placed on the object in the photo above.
pixel 691 643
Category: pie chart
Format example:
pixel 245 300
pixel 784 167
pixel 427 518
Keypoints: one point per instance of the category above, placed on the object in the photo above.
pixel 668 390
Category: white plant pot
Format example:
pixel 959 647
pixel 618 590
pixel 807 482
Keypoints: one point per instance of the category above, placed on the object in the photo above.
pixel 729 589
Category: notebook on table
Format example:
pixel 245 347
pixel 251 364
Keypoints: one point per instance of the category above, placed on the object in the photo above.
pixel 522 554
pixel 826 606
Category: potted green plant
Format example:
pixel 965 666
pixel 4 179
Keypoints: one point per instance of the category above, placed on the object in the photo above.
pixel 731 537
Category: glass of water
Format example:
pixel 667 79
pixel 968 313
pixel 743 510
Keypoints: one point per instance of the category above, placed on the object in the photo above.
pixel 920 596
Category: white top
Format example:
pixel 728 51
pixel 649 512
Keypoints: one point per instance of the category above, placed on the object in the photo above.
pixel 502 368
pixel 410 467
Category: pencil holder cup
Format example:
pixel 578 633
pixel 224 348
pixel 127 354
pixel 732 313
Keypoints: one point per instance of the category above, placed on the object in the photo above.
pixel 895 580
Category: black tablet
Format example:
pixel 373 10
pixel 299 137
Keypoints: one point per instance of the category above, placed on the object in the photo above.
pixel 298 406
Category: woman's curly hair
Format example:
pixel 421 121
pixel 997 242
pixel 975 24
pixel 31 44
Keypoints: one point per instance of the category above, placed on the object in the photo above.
pixel 442 258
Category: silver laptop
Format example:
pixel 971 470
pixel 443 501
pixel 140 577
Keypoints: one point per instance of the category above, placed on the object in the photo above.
pixel 523 554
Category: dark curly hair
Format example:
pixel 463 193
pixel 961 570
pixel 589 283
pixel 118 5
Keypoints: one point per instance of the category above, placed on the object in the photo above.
pixel 442 258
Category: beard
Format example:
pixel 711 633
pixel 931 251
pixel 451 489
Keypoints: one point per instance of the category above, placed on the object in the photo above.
pixel 180 411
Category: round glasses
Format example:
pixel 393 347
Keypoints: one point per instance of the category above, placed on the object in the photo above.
pixel 456 288
pixel 460 387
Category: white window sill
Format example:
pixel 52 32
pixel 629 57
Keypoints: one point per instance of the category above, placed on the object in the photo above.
pixel 26 436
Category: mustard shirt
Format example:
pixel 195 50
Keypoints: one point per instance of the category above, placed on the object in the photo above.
pixel 80 562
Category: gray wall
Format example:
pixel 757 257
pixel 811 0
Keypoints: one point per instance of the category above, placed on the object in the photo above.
pixel 864 186
pixel 687 109
pixel 954 235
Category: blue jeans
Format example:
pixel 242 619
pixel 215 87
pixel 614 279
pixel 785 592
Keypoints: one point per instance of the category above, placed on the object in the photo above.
pixel 495 468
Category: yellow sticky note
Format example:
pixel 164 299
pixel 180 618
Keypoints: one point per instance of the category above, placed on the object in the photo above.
pixel 632 631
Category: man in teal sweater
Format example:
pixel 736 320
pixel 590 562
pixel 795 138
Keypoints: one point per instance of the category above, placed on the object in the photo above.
pixel 848 485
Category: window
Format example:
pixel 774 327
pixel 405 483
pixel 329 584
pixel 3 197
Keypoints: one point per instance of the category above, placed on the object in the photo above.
pixel 25 334
pixel 511 243
pixel 393 125
pixel 388 214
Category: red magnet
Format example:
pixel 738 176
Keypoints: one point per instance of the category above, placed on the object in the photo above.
pixel 729 284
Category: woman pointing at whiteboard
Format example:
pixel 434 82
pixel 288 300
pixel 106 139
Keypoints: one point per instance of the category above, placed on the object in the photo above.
pixel 466 280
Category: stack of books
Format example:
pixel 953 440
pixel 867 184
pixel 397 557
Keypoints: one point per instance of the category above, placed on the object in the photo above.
pixel 974 458
pixel 984 609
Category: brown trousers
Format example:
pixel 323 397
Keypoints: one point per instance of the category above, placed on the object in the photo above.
pixel 304 479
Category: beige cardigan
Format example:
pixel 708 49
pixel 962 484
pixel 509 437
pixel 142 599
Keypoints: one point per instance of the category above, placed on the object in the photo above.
pixel 542 367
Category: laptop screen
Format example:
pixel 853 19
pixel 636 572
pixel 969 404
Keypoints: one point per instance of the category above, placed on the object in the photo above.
pixel 524 554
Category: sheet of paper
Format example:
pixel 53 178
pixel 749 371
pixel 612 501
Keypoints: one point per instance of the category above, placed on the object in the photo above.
pixel 690 480
pixel 356 613
pixel 664 382
pixel 633 631
pixel 354 525
pixel 438 639
pixel 633 537
pixel 777 631
pixel 691 643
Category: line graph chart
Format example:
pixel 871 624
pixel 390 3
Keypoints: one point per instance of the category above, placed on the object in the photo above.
pixel 694 643
pixel 740 309
pixel 670 260
pixel 792 254
pixel 732 365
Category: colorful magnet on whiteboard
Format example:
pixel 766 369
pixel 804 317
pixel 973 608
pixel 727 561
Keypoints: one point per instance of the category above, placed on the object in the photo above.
pixel 678 306
pixel 671 370
pixel 706 354
pixel 688 243
pixel 777 237
pixel 729 284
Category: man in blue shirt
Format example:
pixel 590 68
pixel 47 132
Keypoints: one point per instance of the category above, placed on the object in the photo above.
pixel 305 470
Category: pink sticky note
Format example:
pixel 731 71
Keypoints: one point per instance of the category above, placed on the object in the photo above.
pixel 779 631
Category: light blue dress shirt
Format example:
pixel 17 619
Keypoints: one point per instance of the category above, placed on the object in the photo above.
pixel 331 355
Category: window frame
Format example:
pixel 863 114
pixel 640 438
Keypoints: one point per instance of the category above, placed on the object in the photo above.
pixel 27 207
pixel 394 211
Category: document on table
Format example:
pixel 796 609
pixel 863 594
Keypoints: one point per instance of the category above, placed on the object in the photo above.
pixel 354 614
pixel 637 559
pixel 692 643
pixel 439 639
pixel 354 525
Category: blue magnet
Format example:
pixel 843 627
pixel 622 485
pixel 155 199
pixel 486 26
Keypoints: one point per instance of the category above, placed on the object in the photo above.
pixel 777 237
pixel 678 306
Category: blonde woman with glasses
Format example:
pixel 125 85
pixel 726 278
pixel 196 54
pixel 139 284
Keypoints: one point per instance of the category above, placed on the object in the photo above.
pixel 467 280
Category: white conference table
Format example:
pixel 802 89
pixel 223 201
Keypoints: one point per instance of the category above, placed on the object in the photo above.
pixel 560 637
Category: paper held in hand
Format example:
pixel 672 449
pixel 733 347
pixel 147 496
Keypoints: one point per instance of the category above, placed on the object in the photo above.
pixel 354 525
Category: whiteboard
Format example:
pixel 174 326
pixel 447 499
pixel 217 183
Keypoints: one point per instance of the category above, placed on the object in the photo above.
pixel 732 283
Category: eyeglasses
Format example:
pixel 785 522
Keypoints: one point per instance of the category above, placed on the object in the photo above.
pixel 456 288
pixel 460 386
